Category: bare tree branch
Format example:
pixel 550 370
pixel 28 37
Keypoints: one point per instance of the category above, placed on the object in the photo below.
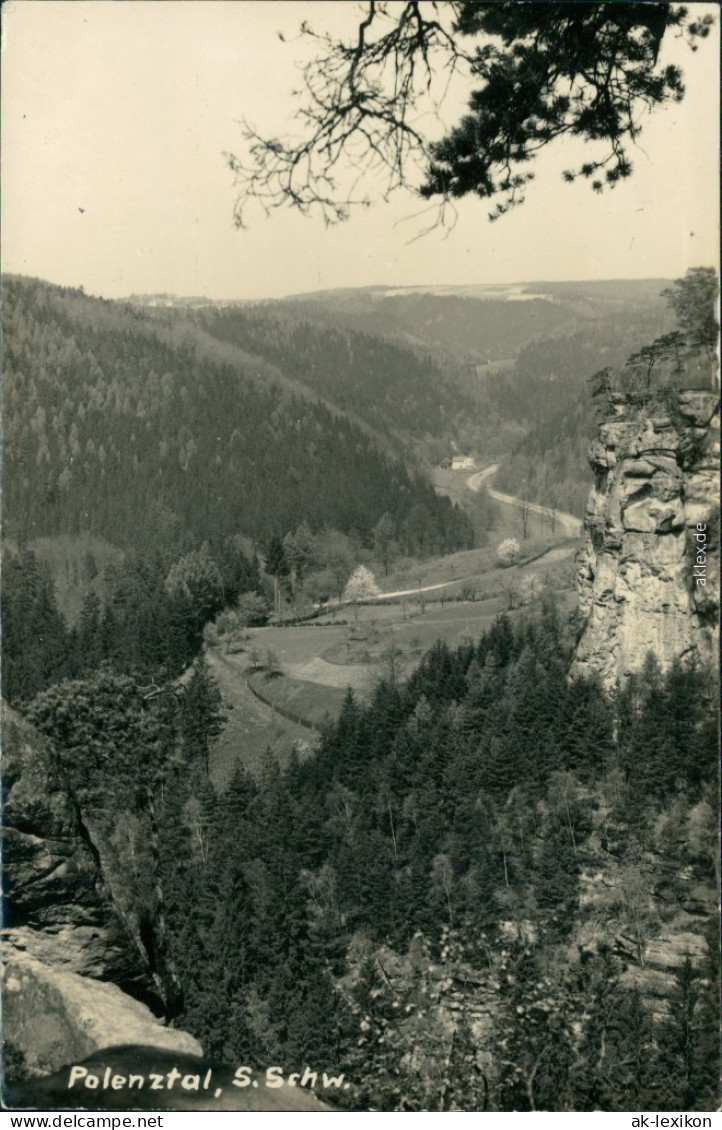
pixel 539 71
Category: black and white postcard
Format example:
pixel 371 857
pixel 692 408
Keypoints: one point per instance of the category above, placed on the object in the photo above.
pixel 360 557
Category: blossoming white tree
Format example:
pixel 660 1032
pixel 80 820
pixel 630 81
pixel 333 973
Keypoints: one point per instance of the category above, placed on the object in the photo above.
pixel 508 551
pixel 361 585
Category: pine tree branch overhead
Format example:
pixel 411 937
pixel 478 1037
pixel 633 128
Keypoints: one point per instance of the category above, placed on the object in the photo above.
pixel 538 72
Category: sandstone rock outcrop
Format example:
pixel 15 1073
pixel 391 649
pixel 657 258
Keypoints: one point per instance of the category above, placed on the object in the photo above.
pixel 56 905
pixel 656 488
pixel 62 941
pixel 54 1017
pixel 645 913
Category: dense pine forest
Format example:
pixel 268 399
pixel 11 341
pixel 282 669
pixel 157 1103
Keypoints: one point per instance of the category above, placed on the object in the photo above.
pixel 150 436
pixel 524 365
pixel 400 394
pixel 536 414
pixel 358 698
pixel 425 883
pixel 188 459
pixel 452 896
pixel 432 373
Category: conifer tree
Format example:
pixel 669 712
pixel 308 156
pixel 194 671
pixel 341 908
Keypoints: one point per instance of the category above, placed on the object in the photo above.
pixel 35 641
pixel 201 715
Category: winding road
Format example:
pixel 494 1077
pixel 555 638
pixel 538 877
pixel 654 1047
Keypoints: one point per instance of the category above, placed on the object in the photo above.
pixel 571 524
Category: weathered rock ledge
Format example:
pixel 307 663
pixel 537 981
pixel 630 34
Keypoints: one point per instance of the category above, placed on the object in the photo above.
pixel 656 484
pixel 57 907
pixel 63 944
pixel 54 1017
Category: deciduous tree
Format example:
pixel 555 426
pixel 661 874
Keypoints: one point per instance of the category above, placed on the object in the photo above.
pixel 361 585
pixel 508 551
pixel 196 577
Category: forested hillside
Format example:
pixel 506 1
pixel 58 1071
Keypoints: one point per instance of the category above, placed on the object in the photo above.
pixel 498 372
pixel 474 369
pixel 531 408
pixel 461 901
pixel 400 393
pixel 489 323
pixel 153 435
pixel 149 624
pixel 549 391
pixel 488 887
pixel 549 461
pixel 185 454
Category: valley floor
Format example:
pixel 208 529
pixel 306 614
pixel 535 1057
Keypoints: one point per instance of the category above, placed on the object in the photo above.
pixel 319 661
pixel 449 598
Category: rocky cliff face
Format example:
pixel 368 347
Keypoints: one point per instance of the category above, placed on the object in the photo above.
pixel 653 905
pixel 72 969
pixel 57 907
pixel 648 571
pixel 63 943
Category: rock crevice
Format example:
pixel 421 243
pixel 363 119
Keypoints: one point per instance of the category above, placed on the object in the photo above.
pixel 74 981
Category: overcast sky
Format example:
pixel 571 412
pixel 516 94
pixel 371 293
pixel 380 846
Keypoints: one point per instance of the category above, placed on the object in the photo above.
pixel 124 110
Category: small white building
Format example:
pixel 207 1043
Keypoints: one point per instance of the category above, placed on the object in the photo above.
pixel 462 463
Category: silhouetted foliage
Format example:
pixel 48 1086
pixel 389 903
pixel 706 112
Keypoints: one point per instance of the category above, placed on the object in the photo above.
pixel 538 72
